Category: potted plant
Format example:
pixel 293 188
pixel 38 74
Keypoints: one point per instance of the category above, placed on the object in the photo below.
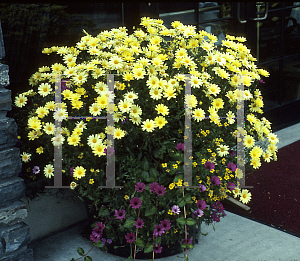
pixel 151 68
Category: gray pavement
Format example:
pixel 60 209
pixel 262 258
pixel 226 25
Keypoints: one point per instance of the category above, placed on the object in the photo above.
pixel 234 238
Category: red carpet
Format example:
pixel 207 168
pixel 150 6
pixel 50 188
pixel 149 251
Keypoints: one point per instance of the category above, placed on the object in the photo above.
pixel 276 193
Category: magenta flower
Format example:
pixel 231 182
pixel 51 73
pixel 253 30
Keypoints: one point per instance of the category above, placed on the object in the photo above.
pixel 135 202
pixel 231 166
pixel 180 146
pixel 103 241
pixel 159 230
pixel 120 214
pixel 215 217
pixel 215 180
pixel 160 190
pixel 201 204
pixel 140 186
pixel 153 186
pixel 109 241
pixel 175 209
pixel 202 187
pixel 231 186
pixel 209 165
pixel 166 224
pixel 157 249
pixel 130 237
pixel 139 223
pixel 36 170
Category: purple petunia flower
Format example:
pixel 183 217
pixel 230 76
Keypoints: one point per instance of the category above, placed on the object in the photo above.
pixel 120 214
pixel 231 186
pixel 130 237
pixel 215 180
pixel 166 224
pixel 36 170
pixel 159 230
pixel 176 209
pixel 201 204
pixel 209 165
pixel 202 188
pixel 103 241
pixel 139 223
pixel 180 146
pixel 140 186
pixel 135 202
pixel 153 186
pixel 160 190
pixel 157 249
pixel 231 166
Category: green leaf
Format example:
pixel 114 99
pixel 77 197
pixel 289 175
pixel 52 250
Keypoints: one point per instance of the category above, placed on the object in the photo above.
pixel 181 203
pixel 148 248
pixel 145 174
pixel 190 246
pixel 151 179
pixel 145 164
pixel 181 220
pixel 139 156
pixel 150 212
pixel 140 242
pixel 80 251
pixel 187 197
pixel 190 222
pixel 107 198
pixel 153 172
pixel 98 244
pixel 129 223
pixel 88 258
pixel 103 212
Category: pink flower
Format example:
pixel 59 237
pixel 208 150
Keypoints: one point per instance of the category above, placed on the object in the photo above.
pixel 202 187
pixel 140 186
pixel 160 190
pixel 209 165
pixel 130 237
pixel 180 146
pixel 157 249
pixel 215 180
pixel 153 186
pixel 166 224
pixel 201 204
pixel 198 213
pixel 159 230
pixel 231 186
pixel 139 223
pixel 135 202
pixel 175 209
pixel 120 214
pixel 231 166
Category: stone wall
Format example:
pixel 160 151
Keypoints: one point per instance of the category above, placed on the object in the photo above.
pixel 14 233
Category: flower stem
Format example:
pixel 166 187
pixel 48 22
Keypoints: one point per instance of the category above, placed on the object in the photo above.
pixel 136 236
pixel 185 227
